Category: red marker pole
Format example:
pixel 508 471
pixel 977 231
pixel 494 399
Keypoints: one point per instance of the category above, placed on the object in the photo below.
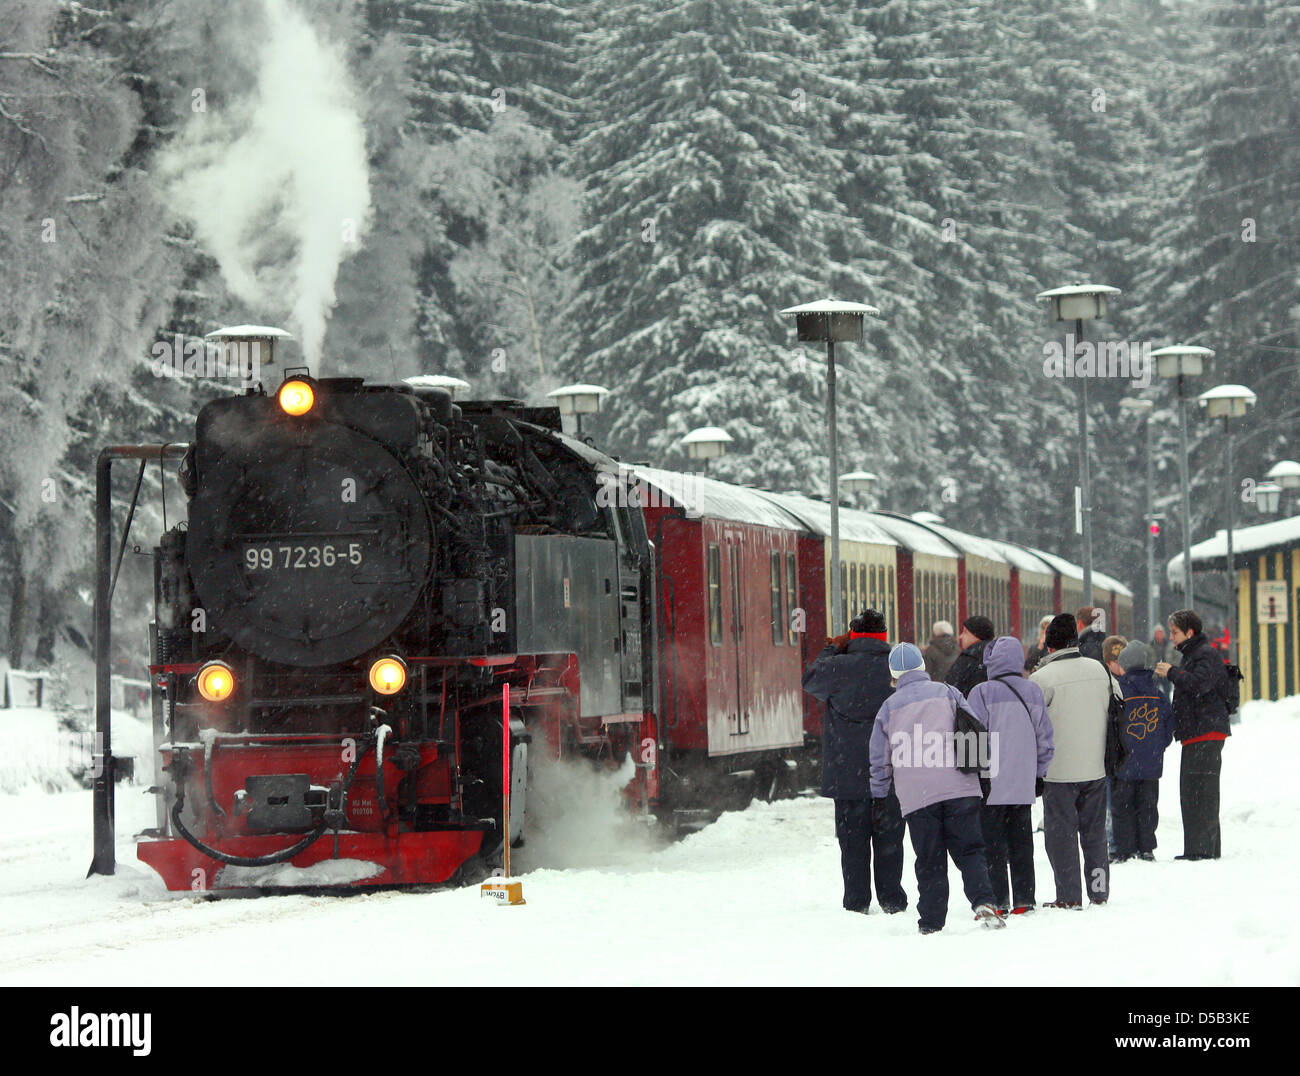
pixel 505 769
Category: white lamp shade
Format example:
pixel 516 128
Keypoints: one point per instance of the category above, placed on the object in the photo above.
pixel 707 442
pixel 1268 495
pixel 1185 359
pixel 578 399
pixel 857 481
pixel 454 385
pixel 1077 302
pixel 1227 401
pixel 1286 473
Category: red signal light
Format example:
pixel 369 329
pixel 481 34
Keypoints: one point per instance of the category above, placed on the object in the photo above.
pixel 1155 530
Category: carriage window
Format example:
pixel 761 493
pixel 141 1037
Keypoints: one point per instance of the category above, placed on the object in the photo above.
pixel 853 590
pixel 778 629
pixel 889 602
pixel 715 595
pixel 844 594
pixel 792 598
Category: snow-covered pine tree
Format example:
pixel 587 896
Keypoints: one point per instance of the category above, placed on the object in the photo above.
pixel 711 206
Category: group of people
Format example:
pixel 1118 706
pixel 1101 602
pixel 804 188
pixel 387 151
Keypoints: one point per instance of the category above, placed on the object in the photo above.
pixel 1081 719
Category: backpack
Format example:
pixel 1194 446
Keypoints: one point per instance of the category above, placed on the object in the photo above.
pixel 1116 749
pixel 1231 690
pixel 966 725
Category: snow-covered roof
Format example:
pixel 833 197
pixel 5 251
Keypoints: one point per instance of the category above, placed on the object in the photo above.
pixel 1109 582
pixel 438 381
pixel 577 390
pixel 1073 571
pixel 1062 566
pixel 1023 559
pixel 1211 553
pixel 855 526
pixel 913 536
pixel 703 496
pixel 968 543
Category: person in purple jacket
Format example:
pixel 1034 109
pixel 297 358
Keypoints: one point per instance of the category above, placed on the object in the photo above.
pixel 1020 735
pixel 913 746
pixel 1148 729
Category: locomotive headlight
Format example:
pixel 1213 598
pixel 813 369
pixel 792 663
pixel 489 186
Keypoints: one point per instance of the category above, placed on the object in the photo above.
pixel 296 397
pixel 216 681
pixel 388 675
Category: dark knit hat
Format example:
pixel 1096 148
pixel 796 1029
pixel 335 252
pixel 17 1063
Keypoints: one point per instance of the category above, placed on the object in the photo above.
pixel 1061 632
pixel 870 622
pixel 979 626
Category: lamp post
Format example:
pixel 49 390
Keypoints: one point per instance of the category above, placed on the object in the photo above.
pixel 1286 473
pixel 833 321
pixel 1080 303
pixel 1136 407
pixel 707 443
pixel 1229 402
pixel 1183 361
pixel 856 482
pixel 578 400
pixel 454 385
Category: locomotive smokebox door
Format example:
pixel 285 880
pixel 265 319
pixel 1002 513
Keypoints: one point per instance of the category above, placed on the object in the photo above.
pixel 277 803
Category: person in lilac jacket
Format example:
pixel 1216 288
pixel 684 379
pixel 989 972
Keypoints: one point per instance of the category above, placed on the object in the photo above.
pixel 1020 735
pixel 912 746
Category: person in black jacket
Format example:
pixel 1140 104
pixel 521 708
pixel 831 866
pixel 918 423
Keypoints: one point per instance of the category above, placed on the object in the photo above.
pixel 1090 621
pixel 967 669
pixel 1200 725
pixel 851 676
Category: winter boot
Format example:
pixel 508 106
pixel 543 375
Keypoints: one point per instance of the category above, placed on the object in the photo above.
pixel 987 916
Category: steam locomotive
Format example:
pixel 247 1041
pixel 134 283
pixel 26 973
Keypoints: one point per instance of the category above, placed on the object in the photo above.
pixel 366 568
pixel 362 570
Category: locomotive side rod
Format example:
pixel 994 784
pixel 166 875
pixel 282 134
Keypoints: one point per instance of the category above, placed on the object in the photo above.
pixel 104 860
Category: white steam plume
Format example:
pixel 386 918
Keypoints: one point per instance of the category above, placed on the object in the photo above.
pixel 278 184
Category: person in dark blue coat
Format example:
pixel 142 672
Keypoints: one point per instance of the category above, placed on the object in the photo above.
pixel 1148 730
pixel 851 676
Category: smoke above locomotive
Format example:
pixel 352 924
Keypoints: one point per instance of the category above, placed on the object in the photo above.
pixel 273 172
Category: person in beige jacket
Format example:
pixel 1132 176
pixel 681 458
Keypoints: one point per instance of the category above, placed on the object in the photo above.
pixel 1077 692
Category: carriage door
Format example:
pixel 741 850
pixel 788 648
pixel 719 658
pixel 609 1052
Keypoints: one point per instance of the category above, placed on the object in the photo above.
pixel 632 537
pixel 738 718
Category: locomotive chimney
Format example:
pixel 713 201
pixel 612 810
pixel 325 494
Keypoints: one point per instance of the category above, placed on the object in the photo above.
pixel 246 349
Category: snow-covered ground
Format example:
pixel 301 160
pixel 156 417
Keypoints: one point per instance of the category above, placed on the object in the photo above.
pixel 753 899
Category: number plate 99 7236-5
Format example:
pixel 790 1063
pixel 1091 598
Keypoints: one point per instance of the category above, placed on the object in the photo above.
pixel 295 557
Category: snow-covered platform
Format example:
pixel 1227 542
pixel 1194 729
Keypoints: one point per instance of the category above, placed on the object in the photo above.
pixel 753 899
